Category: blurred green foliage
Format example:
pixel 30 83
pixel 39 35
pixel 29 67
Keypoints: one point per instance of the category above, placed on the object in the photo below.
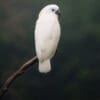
pixel 76 66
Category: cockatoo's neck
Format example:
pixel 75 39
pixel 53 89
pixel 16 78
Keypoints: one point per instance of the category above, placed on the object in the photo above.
pixel 49 16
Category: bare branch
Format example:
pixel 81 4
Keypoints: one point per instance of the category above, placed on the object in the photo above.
pixel 16 74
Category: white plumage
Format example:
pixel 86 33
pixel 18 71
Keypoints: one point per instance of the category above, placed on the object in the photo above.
pixel 47 35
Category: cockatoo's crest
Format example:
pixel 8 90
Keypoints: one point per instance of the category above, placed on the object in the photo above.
pixel 50 9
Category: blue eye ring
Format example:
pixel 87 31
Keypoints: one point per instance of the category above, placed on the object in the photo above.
pixel 53 9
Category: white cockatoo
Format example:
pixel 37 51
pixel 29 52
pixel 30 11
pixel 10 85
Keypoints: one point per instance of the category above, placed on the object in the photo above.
pixel 47 35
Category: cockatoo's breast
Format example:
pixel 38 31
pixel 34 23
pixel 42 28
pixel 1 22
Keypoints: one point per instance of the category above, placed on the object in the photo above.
pixel 47 35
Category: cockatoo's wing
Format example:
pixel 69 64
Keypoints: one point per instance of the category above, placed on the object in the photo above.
pixel 46 36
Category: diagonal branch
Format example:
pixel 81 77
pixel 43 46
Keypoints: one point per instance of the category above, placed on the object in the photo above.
pixel 16 74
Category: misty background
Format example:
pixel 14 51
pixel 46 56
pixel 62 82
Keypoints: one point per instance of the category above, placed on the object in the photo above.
pixel 75 71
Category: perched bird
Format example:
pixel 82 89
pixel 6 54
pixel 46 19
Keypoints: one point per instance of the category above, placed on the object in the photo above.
pixel 47 35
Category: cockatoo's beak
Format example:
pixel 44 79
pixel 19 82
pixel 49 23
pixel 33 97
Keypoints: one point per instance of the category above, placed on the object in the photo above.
pixel 58 13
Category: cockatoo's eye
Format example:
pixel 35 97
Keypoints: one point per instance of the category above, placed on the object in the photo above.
pixel 53 9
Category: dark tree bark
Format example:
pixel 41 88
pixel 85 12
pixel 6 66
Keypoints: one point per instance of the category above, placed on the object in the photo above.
pixel 16 74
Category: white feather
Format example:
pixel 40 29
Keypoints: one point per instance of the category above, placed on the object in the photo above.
pixel 47 35
pixel 44 66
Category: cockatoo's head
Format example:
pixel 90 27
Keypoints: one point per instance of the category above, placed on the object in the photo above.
pixel 50 9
